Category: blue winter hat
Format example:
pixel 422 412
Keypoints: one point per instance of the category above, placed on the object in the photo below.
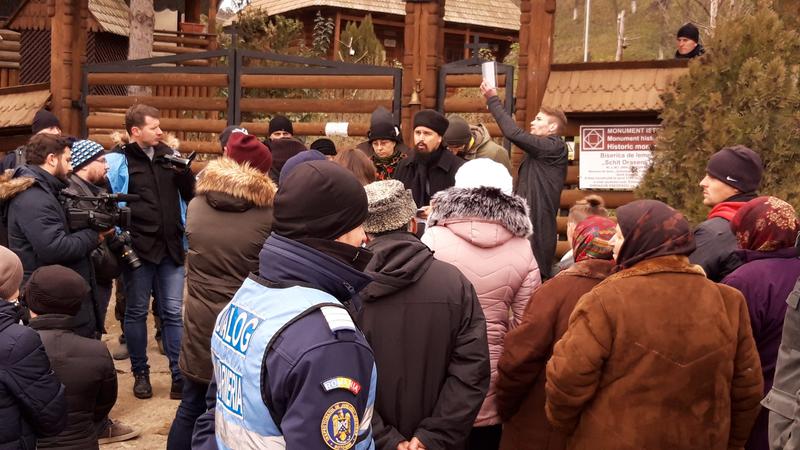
pixel 84 152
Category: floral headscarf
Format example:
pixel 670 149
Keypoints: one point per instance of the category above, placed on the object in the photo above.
pixel 592 237
pixel 386 166
pixel 765 224
pixel 651 229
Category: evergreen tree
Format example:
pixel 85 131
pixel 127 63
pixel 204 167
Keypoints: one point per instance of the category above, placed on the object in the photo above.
pixel 744 90
pixel 360 44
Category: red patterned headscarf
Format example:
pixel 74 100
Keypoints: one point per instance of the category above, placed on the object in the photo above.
pixel 765 224
pixel 651 229
pixel 591 238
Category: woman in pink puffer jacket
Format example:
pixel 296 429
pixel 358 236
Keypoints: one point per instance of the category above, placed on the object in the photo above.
pixel 483 229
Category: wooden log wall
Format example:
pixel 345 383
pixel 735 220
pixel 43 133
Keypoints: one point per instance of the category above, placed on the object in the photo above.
pixel 10 58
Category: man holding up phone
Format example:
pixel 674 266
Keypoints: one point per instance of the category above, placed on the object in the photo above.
pixel 542 172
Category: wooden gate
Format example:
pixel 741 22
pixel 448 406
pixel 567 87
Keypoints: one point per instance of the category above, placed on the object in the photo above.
pixel 201 93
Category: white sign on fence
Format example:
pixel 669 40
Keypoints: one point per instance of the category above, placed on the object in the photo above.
pixel 615 156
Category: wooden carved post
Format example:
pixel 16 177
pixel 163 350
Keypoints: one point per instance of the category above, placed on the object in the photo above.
pixel 537 25
pixel 423 54
pixel 68 19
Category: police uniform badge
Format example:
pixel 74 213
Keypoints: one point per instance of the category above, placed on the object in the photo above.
pixel 340 426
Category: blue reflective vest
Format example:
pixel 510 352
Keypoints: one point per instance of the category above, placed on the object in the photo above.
pixel 243 333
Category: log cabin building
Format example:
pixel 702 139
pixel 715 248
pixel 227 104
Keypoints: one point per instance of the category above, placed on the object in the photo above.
pixel 495 22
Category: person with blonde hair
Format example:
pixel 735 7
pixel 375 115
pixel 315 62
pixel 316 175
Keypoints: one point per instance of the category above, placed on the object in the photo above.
pixel 591 205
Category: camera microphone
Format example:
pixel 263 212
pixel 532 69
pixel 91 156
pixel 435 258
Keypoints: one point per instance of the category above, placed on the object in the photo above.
pixel 124 197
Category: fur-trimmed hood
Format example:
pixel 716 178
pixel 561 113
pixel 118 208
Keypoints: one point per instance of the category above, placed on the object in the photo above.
pixel 241 182
pixel 10 186
pixel 460 208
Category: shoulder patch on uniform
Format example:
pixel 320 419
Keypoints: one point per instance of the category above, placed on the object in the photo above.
pixel 342 383
pixel 337 318
pixel 340 426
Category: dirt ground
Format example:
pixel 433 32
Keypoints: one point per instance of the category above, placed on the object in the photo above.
pixel 152 416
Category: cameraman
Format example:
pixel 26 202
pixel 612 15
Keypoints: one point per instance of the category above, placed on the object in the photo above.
pixel 142 168
pixel 38 230
pixel 88 179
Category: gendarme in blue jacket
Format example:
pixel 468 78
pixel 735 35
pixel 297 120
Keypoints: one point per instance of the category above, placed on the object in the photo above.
pixel 315 388
pixel 32 401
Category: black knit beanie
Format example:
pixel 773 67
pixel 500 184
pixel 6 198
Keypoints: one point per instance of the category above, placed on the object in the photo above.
pixel 55 290
pixel 319 199
pixel 434 120
pixel 280 123
pixel 689 31
pixel 737 166
pixel 382 126
pixel 44 119
pixel 324 146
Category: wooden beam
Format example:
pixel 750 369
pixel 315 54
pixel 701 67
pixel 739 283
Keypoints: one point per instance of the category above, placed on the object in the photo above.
pixel 174 49
pixel 309 105
pixel 186 146
pixel 337 34
pixel 376 21
pixel 307 128
pixel 317 82
pixel 161 102
pixel 471 81
pixel 464 105
pixel 10 46
pixel 167 124
pixel 157 79
pixel 182 40
pixel 613 199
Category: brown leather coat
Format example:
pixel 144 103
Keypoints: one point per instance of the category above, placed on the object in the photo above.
pixel 656 357
pixel 521 377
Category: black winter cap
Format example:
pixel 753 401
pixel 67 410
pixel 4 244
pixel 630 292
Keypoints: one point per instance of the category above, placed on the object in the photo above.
pixel 44 119
pixel 429 118
pixel 280 123
pixel 737 166
pixel 319 199
pixel 55 290
pixel 382 126
pixel 689 31
pixel 324 146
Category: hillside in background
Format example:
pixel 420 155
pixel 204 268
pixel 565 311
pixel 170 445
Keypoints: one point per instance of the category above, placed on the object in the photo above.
pixel 650 31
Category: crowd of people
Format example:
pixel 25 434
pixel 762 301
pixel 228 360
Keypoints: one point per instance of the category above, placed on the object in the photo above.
pixel 391 297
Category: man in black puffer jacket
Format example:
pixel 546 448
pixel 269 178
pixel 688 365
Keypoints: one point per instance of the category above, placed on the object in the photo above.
pixel 84 365
pixel 32 400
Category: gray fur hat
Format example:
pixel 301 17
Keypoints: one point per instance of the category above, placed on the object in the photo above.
pixel 390 206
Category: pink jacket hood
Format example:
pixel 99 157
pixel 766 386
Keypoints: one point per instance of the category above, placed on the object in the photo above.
pixel 484 233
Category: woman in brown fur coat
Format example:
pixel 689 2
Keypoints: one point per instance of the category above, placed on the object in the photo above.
pixel 227 223
pixel 656 356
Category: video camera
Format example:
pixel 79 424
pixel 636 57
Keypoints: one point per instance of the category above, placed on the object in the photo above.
pixel 104 215
pixel 178 163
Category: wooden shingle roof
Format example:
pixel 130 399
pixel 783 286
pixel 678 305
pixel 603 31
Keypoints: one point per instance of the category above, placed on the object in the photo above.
pixel 110 16
pixel 611 87
pixel 19 104
pixel 503 14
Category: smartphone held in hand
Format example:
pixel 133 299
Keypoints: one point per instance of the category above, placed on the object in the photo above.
pixel 489 71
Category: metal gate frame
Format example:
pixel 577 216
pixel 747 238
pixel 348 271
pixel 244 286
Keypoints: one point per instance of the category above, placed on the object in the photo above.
pixel 472 66
pixel 235 68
